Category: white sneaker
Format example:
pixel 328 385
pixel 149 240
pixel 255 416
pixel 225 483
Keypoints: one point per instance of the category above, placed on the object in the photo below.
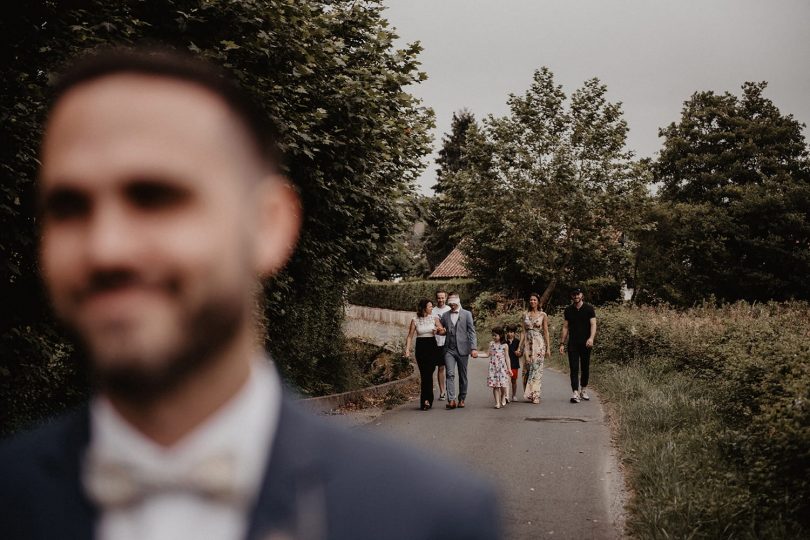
pixel 584 395
pixel 575 397
pixel 505 401
pixel 442 397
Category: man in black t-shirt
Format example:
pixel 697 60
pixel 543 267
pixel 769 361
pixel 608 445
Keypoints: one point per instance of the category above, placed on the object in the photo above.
pixel 579 331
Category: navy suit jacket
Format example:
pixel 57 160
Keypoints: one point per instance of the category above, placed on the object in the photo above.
pixel 464 329
pixel 323 482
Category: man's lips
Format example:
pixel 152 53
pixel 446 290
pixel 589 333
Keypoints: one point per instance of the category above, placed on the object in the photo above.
pixel 121 300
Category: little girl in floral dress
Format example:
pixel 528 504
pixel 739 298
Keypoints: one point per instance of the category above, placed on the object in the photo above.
pixel 498 376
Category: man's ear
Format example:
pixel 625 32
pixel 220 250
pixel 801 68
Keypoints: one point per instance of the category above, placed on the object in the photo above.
pixel 279 224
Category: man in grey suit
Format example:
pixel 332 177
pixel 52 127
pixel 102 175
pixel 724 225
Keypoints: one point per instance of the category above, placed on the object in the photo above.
pixel 460 343
pixel 161 207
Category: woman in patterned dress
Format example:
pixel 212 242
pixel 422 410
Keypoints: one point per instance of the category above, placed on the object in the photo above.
pixel 498 376
pixel 534 348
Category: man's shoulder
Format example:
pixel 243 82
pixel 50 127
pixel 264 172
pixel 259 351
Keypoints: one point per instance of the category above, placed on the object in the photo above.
pixel 356 451
pixel 375 484
pixel 27 457
pixel 30 444
pixel 591 309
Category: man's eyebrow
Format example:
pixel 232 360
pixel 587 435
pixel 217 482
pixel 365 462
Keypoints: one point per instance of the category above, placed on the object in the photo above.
pixel 156 191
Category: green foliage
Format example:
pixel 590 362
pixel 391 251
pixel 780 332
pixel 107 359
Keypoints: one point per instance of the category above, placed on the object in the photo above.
pixel 733 219
pixel 546 192
pixel 598 290
pixel 451 155
pixel 369 365
pixel 405 295
pixel 711 400
pixel 404 257
pixel 328 76
pixel 444 231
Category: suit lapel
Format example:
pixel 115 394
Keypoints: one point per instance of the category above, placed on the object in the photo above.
pixel 70 513
pixel 292 501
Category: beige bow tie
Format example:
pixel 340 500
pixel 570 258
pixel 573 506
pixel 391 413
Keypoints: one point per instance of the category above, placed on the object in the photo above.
pixel 115 483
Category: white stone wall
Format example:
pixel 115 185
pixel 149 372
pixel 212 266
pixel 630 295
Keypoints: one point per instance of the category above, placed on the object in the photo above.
pixel 379 326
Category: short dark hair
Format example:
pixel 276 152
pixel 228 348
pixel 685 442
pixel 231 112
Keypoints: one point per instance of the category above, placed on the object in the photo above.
pixel 441 290
pixel 499 331
pixel 172 64
pixel 511 328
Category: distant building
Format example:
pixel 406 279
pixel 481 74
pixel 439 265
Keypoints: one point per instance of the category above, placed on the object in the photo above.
pixel 453 266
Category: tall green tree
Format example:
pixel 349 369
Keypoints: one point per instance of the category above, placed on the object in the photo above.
pixel 404 257
pixel 549 190
pixel 451 155
pixel 326 73
pixel 444 231
pixel 733 218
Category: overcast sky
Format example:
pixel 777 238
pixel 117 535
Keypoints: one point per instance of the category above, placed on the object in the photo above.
pixel 651 54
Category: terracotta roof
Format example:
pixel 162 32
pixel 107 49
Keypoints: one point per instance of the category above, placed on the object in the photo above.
pixel 454 266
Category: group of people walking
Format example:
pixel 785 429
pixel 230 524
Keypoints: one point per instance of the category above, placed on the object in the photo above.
pixel 445 338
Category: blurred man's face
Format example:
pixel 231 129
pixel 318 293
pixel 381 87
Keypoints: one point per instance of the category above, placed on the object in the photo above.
pixel 577 298
pixel 150 222
pixel 441 298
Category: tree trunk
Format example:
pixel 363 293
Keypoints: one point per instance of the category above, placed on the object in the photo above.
pixel 553 283
pixel 549 290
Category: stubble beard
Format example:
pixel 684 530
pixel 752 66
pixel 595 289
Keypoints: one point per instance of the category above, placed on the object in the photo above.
pixel 204 333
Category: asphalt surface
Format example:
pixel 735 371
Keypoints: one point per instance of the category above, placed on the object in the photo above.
pixel 553 463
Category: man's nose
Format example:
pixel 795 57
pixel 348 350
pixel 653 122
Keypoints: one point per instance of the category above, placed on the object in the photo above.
pixel 111 241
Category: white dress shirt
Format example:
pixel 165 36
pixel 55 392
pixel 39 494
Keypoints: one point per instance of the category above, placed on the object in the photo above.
pixel 243 428
pixel 438 312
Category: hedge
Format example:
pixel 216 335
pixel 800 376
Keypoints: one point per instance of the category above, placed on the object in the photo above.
pixel 754 363
pixel 405 295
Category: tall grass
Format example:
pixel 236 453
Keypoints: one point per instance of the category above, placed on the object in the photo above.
pixel 712 415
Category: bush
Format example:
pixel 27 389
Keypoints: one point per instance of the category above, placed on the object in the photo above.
pixel 749 377
pixel 404 296
pixel 600 290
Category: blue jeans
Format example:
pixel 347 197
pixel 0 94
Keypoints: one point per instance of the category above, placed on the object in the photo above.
pixel 452 359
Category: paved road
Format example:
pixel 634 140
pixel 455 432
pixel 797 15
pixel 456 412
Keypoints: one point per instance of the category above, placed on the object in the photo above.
pixel 552 462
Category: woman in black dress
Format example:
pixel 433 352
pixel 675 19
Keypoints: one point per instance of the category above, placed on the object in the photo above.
pixel 424 326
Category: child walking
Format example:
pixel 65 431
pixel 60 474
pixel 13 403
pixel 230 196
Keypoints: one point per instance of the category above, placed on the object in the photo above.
pixel 498 375
pixel 514 357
